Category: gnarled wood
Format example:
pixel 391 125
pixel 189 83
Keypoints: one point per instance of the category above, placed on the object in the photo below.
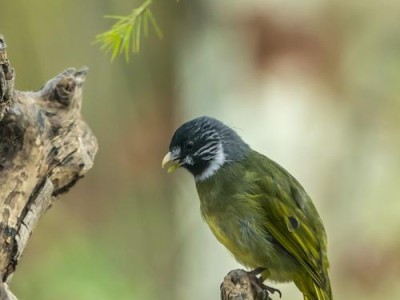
pixel 240 285
pixel 45 148
pixel 6 79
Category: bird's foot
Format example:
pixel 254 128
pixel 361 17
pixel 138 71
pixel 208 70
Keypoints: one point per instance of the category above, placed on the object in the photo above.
pixel 262 290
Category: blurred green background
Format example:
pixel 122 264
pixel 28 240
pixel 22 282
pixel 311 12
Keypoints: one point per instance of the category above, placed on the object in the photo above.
pixel 315 85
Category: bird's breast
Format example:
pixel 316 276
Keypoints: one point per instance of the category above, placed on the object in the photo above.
pixel 239 239
pixel 232 221
pixel 239 226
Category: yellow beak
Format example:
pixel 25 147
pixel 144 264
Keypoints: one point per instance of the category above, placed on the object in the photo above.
pixel 170 163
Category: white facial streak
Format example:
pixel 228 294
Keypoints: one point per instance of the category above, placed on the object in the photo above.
pixel 175 152
pixel 215 164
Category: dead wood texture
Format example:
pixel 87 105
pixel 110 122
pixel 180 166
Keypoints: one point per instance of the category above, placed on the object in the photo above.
pixel 45 148
pixel 240 285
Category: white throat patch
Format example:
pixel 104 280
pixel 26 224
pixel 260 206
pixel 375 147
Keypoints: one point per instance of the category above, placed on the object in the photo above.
pixel 215 164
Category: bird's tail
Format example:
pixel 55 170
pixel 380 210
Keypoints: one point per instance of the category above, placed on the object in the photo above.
pixel 312 290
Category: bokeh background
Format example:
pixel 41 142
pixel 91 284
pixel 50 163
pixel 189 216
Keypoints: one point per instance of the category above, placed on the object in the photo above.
pixel 315 85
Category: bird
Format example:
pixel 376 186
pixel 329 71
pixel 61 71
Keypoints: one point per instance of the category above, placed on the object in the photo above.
pixel 253 206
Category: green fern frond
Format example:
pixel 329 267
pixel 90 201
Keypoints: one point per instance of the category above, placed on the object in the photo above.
pixel 125 35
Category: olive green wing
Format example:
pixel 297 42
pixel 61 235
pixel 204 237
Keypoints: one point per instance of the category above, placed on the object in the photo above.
pixel 291 218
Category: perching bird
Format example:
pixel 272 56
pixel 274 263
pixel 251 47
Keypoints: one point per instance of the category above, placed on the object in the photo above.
pixel 253 206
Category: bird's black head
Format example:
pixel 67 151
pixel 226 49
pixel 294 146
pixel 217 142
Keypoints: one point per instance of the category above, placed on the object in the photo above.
pixel 202 146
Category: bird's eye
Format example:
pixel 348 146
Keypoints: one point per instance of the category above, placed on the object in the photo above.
pixel 189 145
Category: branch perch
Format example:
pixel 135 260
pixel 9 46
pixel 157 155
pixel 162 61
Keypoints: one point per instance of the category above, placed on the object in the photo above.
pixel 45 148
pixel 240 285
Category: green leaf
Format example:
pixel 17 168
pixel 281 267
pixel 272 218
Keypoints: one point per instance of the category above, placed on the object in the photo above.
pixel 146 24
pixel 115 49
pixel 155 25
pixel 126 31
pixel 137 42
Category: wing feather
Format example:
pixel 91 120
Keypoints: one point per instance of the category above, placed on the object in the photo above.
pixel 284 199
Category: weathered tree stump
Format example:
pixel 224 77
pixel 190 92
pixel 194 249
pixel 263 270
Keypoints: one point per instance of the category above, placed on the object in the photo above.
pixel 241 285
pixel 45 148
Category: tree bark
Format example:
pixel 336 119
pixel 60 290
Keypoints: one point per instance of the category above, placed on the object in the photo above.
pixel 45 148
pixel 241 285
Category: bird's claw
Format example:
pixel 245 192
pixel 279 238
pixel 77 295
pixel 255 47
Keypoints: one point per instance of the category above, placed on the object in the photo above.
pixel 262 291
pixel 271 289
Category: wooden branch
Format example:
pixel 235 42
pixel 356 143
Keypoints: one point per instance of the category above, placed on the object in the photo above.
pixel 45 148
pixel 6 79
pixel 241 285
pixel 5 293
